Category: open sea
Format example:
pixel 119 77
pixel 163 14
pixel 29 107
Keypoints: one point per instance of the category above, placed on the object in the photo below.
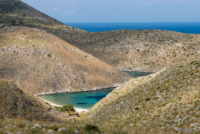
pixel 183 27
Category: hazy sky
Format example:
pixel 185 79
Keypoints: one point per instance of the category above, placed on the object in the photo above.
pixel 119 10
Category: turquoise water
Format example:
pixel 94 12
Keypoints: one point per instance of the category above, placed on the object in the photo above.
pixel 83 100
pixel 137 74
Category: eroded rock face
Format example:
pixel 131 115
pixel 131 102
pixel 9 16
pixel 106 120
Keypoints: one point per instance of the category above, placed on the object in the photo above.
pixel 45 64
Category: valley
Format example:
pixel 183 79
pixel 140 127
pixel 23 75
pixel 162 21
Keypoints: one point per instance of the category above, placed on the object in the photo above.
pixel 42 56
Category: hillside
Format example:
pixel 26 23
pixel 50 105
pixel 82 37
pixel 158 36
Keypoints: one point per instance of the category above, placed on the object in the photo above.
pixel 165 102
pixel 15 103
pixel 44 64
pixel 18 13
pixel 141 50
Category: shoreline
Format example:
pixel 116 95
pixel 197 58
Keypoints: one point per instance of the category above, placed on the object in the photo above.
pixel 137 71
pixel 88 90
pixel 79 110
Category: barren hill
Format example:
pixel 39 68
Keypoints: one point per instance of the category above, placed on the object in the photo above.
pixel 140 50
pixel 43 63
pixel 165 102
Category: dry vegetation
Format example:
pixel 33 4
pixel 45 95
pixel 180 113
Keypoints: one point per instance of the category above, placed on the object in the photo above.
pixel 17 103
pixel 142 50
pixel 43 63
pixel 23 113
pixel 139 50
pixel 166 102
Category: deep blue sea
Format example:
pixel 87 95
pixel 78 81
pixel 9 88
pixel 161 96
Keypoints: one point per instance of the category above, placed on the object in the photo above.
pixel 183 27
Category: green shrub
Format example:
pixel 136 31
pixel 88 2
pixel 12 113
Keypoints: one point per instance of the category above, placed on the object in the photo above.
pixel 68 108
pixel 187 55
pixel 137 108
pixel 59 109
pixel 148 99
pixel 34 131
pixel 91 128
pixel 69 130
pixel 54 127
pixel 49 55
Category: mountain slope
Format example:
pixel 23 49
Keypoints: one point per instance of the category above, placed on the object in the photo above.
pixel 139 50
pixel 45 64
pixel 16 12
pixel 15 103
pixel 166 102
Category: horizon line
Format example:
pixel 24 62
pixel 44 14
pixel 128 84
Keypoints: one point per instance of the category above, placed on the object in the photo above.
pixel 130 22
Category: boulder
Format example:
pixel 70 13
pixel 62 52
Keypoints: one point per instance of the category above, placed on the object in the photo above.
pixel 37 126
pixel 50 131
pixel 76 132
pixel 62 129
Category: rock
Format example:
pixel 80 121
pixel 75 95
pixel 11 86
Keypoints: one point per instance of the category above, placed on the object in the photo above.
pixel 191 112
pixel 37 126
pixel 43 129
pixel 26 122
pixel 44 31
pixel 20 132
pixel 50 131
pixel 197 108
pixel 45 126
pixel 76 132
pixel 62 129
pixel 7 132
pixel 33 127
pixel 79 126
pixel 8 120
pixel 131 125
pixel 32 50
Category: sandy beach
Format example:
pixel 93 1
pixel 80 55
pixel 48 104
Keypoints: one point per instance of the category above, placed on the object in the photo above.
pixel 77 109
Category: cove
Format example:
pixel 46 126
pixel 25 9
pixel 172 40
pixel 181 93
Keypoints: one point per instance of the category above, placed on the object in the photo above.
pixel 84 100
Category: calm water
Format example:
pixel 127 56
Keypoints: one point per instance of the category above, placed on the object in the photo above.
pixel 83 99
pixel 183 27
pixel 137 74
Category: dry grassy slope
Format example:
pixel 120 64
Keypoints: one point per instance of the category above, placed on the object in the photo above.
pixel 141 50
pixel 15 103
pixel 166 102
pixel 44 63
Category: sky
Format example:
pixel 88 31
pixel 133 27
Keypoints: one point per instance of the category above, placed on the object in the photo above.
pixel 119 10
